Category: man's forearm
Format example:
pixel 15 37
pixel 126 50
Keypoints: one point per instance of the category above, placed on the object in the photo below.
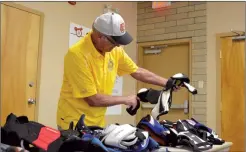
pixel 101 100
pixel 149 77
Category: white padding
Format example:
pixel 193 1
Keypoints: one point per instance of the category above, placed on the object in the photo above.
pixel 163 98
pixel 114 135
pixel 178 75
pixel 142 90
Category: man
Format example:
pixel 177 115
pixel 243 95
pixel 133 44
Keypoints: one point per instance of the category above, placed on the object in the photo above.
pixel 90 69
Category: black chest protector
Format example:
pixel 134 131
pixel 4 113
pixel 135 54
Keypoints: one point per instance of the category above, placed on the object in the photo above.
pixel 18 131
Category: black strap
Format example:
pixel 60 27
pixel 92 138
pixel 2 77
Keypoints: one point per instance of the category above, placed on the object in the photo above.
pixel 197 147
pixel 140 135
pixel 204 144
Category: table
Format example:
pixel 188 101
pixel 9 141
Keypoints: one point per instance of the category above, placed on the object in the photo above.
pixel 216 148
pixel 5 147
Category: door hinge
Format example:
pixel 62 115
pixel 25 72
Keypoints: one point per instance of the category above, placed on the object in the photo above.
pixel 220 54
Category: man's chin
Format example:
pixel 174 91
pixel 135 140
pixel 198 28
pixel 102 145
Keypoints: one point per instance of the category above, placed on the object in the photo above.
pixel 109 50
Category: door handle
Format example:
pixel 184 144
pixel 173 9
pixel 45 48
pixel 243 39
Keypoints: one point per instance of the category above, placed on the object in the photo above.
pixel 31 101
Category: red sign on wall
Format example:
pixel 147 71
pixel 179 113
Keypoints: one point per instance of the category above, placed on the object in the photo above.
pixel 160 4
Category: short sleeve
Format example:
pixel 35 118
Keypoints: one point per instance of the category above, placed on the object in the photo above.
pixel 79 75
pixel 126 65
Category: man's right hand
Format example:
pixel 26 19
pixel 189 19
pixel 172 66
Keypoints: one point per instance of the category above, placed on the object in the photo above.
pixel 132 101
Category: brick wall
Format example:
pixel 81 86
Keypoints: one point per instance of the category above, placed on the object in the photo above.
pixel 180 20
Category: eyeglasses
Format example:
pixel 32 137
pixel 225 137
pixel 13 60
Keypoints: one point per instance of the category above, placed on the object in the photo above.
pixel 111 41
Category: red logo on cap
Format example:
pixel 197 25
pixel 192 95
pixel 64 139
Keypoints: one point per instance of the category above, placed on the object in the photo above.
pixel 122 27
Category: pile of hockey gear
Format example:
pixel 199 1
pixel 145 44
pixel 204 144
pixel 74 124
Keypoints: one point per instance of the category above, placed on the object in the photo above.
pixel 35 137
pixel 118 138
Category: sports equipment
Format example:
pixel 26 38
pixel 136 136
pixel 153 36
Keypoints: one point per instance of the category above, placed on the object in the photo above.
pixel 19 131
pixel 127 138
pixel 163 98
pixel 121 136
pixel 185 137
pixel 180 79
pixel 159 133
pixel 202 131
pixel 116 137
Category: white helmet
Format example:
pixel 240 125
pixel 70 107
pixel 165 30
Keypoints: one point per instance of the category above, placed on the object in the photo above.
pixel 123 136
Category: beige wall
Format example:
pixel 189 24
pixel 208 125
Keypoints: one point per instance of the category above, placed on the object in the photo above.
pixel 180 20
pixel 55 44
pixel 230 16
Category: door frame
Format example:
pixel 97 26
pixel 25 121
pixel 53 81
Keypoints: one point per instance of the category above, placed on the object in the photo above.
pixel 140 47
pixel 41 14
pixel 219 37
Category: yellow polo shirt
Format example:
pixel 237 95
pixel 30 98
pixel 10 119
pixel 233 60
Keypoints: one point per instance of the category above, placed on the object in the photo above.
pixel 86 73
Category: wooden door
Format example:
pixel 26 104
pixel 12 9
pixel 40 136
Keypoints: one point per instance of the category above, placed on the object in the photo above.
pixel 232 92
pixel 173 58
pixel 20 33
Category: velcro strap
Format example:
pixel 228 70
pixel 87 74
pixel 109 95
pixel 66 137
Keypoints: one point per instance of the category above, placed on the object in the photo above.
pixel 202 144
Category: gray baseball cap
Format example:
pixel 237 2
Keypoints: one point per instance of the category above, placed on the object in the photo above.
pixel 113 25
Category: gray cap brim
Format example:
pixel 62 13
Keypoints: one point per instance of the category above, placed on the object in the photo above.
pixel 124 39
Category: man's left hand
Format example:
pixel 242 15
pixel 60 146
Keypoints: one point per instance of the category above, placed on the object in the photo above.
pixel 176 88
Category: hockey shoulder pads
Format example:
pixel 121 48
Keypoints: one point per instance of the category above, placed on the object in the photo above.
pixel 185 137
pixel 127 138
pixel 163 98
pixel 203 131
pixel 120 136
pixel 155 129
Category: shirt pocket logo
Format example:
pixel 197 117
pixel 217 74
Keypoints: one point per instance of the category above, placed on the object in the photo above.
pixel 110 65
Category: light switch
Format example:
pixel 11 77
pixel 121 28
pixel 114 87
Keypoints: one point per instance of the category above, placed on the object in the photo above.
pixel 200 84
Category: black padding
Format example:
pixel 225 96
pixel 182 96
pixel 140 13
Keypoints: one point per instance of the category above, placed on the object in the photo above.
pixel 153 96
pixel 169 84
pixel 142 96
pixel 74 145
